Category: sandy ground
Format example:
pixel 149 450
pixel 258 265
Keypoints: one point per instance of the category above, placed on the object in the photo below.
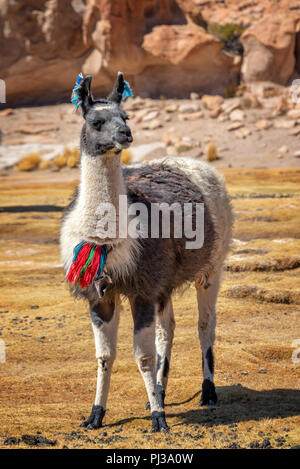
pixel 47 383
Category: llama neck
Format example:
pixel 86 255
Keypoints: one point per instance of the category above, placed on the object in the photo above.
pixel 101 183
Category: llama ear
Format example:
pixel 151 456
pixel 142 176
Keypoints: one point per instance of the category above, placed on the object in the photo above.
pixel 81 95
pixel 117 92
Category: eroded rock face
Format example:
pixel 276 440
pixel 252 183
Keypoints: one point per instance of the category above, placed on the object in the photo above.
pixel 163 46
pixel 269 49
pixel 188 59
pixel 159 47
pixel 41 48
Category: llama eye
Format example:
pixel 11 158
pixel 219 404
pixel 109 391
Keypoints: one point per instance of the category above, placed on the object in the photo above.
pixel 98 124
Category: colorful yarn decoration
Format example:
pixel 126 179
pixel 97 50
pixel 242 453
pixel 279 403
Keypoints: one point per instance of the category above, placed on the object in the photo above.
pixel 87 265
pixel 75 99
pixel 127 91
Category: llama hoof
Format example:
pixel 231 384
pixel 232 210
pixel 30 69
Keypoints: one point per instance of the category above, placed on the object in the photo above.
pixel 159 423
pixel 209 396
pixel 147 406
pixel 95 419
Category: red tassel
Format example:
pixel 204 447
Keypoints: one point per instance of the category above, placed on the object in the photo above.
pixel 74 271
pixel 92 269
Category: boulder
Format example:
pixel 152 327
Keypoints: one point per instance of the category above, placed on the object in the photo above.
pixel 212 102
pixel 186 57
pixel 37 40
pixel 297 52
pixel 269 47
pixel 188 108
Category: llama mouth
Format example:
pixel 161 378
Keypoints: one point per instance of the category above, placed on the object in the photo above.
pixel 121 146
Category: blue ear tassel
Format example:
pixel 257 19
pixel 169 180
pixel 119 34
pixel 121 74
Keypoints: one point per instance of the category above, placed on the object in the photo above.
pixel 127 91
pixel 75 98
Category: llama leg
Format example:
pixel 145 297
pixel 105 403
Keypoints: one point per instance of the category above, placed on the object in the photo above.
pixel 206 326
pixel 105 320
pixel 165 325
pixel 144 352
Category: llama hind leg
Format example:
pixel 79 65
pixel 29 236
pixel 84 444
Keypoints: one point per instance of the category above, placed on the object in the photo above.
pixel 165 326
pixel 105 320
pixel 164 333
pixel 143 313
pixel 206 327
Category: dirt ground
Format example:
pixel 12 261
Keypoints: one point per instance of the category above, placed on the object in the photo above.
pixel 48 379
pixel 270 147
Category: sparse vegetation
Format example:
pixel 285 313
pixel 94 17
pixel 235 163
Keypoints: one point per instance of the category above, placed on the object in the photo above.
pixel 29 162
pixel 211 151
pixel 60 161
pixel 229 34
pixel 73 156
pixel 126 157
pixel 70 157
pixel 46 164
pixel 258 311
pixel 230 91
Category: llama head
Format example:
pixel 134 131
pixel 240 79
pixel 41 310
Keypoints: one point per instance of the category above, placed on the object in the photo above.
pixel 105 127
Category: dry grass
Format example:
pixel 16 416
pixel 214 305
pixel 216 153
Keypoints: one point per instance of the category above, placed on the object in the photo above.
pixel 60 161
pixel 46 164
pixel 73 157
pixel 70 157
pixel 29 162
pixel 211 151
pixel 48 380
pixel 126 157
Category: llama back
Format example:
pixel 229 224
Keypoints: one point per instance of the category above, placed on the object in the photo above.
pixel 188 179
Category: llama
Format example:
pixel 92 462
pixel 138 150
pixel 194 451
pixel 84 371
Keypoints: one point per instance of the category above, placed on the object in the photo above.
pixel 146 270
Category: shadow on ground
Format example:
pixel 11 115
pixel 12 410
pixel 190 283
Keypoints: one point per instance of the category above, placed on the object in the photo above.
pixel 236 404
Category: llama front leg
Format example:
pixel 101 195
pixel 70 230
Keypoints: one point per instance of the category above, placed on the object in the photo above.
pixel 144 352
pixel 206 326
pixel 105 319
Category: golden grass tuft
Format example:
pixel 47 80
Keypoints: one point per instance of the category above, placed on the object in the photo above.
pixel 73 157
pixel 29 162
pixel 70 157
pixel 60 161
pixel 211 151
pixel 282 296
pixel 45 164
pixel 126 157
pixel 264 265
pixel 272 352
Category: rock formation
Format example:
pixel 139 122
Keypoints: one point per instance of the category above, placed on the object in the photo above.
pixel 165 47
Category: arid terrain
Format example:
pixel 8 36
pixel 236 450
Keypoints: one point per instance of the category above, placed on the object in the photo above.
pixel 259 128
pixel 48 379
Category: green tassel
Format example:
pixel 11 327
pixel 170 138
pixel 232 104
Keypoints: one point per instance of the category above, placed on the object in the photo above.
pixel 88 261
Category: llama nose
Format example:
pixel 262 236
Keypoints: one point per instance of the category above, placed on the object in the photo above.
pixel 126 132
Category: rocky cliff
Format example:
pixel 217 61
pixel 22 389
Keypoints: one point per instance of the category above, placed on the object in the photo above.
pixel 165 47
